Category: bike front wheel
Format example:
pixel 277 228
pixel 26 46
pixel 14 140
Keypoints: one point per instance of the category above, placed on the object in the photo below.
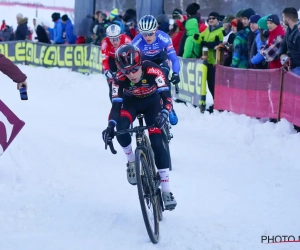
pixel 147 196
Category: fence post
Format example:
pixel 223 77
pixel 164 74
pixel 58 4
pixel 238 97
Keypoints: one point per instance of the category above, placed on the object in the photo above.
pixel 280 94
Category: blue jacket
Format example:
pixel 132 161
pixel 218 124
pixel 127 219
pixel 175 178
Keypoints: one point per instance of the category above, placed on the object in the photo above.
pixel 258 58
pixel 57 32
pixel 69 29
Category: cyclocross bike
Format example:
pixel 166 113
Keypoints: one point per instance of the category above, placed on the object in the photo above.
pixel 148 179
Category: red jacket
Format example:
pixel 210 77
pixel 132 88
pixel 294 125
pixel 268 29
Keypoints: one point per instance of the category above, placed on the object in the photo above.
pixel 275 36
pixel 108 50
pixel 177 37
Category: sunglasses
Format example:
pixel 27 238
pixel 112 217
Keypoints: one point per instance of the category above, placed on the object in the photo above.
pixel 132 70
pixel 212 18
pixel 114 39
pixel 144 34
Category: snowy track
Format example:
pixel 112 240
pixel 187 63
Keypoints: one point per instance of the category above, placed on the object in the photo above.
pixel 235 178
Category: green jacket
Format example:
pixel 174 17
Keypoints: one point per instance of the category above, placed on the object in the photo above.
pixel 211 37
pixel 191 48
pixel 240 50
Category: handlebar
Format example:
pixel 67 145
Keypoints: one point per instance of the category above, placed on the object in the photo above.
pixel 125 131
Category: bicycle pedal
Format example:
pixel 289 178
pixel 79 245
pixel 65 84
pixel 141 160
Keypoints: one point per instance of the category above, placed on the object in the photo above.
pixel 170 207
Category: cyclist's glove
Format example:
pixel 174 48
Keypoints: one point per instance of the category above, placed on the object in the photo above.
pixel 108 133
pixel 175 78
pixel 162 118
pixel 108 74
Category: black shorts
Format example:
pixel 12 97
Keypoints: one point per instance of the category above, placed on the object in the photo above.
pixel 150 107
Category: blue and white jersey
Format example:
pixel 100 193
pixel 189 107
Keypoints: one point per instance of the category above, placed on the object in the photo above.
pixel 162 44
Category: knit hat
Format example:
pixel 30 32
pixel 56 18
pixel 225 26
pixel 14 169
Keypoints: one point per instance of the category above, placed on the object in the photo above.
pixel 177 12
pixel 215 14
pixel 239 13
pixel 228 18
pixel 254 18
pixel 65 18
pixel 262 23
pixel 55 16
pixel 234 22
pixel 248 13
pixel 114 13
pixel 192 9
pixel 274 19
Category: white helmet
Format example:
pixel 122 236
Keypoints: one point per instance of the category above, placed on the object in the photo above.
pixel 147 23
pixel 113 31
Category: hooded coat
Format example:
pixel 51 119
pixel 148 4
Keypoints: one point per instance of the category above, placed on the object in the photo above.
pixel 191 48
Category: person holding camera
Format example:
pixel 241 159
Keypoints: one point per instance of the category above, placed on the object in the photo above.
pixel 13 72
pixel 289 51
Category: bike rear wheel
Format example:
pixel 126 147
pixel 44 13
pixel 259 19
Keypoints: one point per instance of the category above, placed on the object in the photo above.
pixel 147 196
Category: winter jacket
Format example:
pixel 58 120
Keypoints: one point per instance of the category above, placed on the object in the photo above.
pixel 210 38
pixel 240 51
pixel 291 46
pixel 177 37
pixel 57 32
pixel 69 30
pixel 191 48
pixel 256 57
pixel 271 50
pixel 202 27
pixel 22 30
pixel 41 34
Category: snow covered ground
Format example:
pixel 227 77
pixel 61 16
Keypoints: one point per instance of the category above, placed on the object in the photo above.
pixel 235 178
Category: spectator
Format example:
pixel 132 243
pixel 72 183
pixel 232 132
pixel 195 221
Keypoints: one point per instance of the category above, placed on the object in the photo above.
pixel 41 34
pixel 240 51
pixel 238 14
pixel 210 38
pixel 227 27
pixel 228 45
pixel 94 22
pixel 100 28
pixel 12 71
pixel 247 13
pixel 192 11
pixel 256 60
pixel 290 47
pixel 69 29
pixel 129 19
pixel 3 25
pixel 114 18
pixel 176 38
pixel 57 31
pixel 271 50
pixel 163 23
pixel 191 48
pixel 22 29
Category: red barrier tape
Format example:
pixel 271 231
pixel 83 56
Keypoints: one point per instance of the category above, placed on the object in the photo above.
pixel 29 5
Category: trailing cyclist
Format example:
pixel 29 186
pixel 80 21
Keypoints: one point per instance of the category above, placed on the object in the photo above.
pixel 139 88
pixel 156 46
pixel 109 45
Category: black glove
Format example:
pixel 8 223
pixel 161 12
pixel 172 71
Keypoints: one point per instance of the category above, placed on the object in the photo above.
pixel 196 36
pixel 162 118
pixel 175 79
pixel 108 133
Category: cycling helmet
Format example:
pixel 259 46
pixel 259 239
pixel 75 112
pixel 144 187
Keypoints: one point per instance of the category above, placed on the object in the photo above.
pixel 128 58
pixel 147 23
pixel 113 31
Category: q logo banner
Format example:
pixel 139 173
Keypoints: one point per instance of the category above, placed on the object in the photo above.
pixel 10 126
pixel 192 86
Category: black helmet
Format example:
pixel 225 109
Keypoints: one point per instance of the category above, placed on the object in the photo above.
pixel 128 58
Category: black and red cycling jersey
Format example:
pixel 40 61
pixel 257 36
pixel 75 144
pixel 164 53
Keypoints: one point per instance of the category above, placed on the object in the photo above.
pixel 108 52
pixel 153 81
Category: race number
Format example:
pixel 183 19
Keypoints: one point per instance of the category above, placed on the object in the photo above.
pixel 160 81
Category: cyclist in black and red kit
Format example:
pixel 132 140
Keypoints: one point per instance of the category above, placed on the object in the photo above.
pixel 139 88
